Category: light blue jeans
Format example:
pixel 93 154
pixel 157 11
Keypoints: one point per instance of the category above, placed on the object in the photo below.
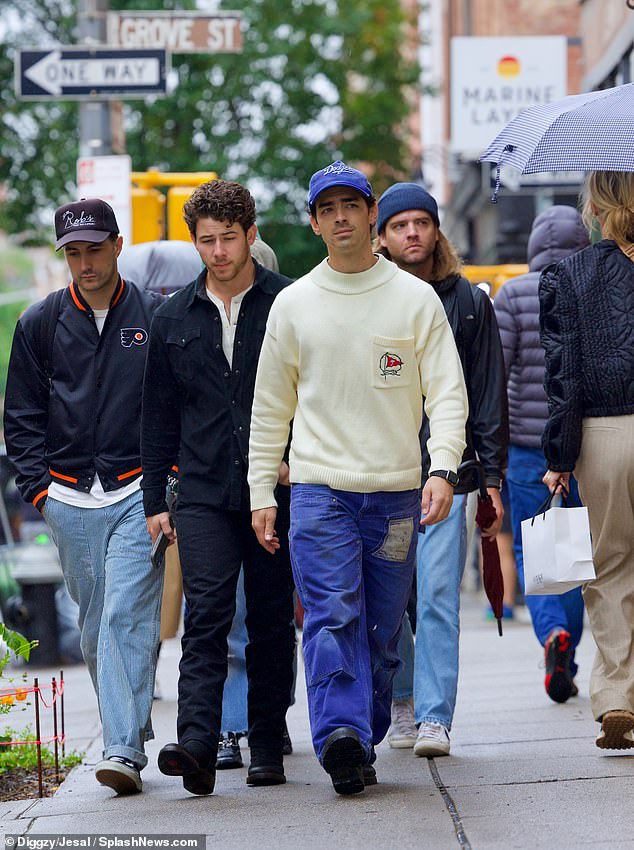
pixel 432 678
pixel 105 557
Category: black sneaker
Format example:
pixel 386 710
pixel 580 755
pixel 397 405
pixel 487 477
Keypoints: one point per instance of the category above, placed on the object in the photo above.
pixel 229 755
pixel 557 652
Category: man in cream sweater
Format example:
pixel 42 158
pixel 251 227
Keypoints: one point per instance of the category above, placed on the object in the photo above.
pixel 350 352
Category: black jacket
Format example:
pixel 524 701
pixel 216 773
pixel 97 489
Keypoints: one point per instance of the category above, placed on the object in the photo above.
pixel 483 366
pixel 196 408
pixel 587 330
pixel 87 419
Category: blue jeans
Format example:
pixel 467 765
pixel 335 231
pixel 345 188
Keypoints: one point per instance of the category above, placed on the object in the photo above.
pixel 526 468
pixel 353 557
pixel 433 679
pixel 105 557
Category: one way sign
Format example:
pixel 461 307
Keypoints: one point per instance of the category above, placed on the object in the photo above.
pixel 77 73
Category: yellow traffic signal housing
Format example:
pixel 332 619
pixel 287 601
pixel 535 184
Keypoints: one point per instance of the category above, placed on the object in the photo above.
pixel 148 203
pixel 495 276
pixel 176 227
pixel 148 215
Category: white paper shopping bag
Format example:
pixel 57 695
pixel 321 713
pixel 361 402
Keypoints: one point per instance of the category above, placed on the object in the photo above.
pixel 557 551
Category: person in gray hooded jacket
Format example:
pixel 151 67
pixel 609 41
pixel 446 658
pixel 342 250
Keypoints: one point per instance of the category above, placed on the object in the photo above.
pixel 557 620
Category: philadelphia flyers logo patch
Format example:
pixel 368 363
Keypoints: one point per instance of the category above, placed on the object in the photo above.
pixel 133 336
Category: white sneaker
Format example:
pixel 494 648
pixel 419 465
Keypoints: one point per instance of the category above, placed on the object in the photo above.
pixel 402 733
pixel 432 740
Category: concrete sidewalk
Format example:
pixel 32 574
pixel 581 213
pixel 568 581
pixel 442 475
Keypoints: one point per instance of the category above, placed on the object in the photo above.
pixel 524 773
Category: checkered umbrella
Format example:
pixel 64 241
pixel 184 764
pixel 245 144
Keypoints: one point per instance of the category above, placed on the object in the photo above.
pixel 593 131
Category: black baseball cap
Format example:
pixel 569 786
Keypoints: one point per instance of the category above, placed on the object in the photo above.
pixel 88 220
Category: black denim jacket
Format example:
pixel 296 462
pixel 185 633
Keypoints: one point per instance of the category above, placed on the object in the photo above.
pixel 196 408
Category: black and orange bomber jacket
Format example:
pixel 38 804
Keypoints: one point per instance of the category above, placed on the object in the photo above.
pixel 84 418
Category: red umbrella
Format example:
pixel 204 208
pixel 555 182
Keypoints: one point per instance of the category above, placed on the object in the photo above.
pixel 485 517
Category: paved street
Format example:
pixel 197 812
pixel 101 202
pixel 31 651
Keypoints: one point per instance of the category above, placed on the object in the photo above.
pixel 524 773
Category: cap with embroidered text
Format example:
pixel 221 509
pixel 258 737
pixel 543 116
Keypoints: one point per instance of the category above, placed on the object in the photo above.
pixel 88 220
pixel 338 174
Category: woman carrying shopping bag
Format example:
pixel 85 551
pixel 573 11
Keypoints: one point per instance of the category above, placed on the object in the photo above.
pixel 587 330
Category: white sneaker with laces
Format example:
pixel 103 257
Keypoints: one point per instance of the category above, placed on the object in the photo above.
pixel 432 740
pixel 402 733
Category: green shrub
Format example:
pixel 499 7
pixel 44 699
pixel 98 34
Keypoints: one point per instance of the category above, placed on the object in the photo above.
pixel 25 755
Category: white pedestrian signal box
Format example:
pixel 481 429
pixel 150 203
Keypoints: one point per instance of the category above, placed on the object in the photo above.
pixel 78 73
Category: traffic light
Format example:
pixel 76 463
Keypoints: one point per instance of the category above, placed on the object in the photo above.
pixel 148 202
pixel 176 197
pixel 148 215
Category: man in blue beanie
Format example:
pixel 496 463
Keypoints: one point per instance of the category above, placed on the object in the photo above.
pixel 425 689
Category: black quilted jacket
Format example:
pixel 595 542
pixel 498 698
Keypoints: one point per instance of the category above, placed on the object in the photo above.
pixel 587 330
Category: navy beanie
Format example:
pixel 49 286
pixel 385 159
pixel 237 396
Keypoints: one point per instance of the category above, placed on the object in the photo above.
pixel 405 196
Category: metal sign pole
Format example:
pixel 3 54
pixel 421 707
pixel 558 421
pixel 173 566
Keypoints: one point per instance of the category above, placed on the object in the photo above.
pixel 95 130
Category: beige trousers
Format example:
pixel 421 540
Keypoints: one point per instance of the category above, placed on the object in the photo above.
pixel 605 472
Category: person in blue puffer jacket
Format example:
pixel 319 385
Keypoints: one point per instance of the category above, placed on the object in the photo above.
pixel 557 620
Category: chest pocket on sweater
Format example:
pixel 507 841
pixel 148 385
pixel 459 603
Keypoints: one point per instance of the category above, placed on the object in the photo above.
pixel 185 353
pixel 393 362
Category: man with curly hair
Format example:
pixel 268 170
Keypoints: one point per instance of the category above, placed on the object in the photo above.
pixel 198 392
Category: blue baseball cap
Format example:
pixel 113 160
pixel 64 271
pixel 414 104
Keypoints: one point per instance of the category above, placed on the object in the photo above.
pixel 338 174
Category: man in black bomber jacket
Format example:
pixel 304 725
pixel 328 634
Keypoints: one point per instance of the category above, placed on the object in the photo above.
pixel 72 428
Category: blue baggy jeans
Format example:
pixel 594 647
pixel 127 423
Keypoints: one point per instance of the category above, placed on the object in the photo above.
pixel 353 557
pixel 105 557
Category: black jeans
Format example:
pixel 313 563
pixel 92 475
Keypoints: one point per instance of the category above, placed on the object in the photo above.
pixel 212 544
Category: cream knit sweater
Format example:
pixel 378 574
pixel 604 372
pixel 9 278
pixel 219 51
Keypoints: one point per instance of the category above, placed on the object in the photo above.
pixel 349 358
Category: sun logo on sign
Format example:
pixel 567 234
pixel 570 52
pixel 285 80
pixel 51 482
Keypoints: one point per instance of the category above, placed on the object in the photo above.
pixel 509 66
pixel 133 336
